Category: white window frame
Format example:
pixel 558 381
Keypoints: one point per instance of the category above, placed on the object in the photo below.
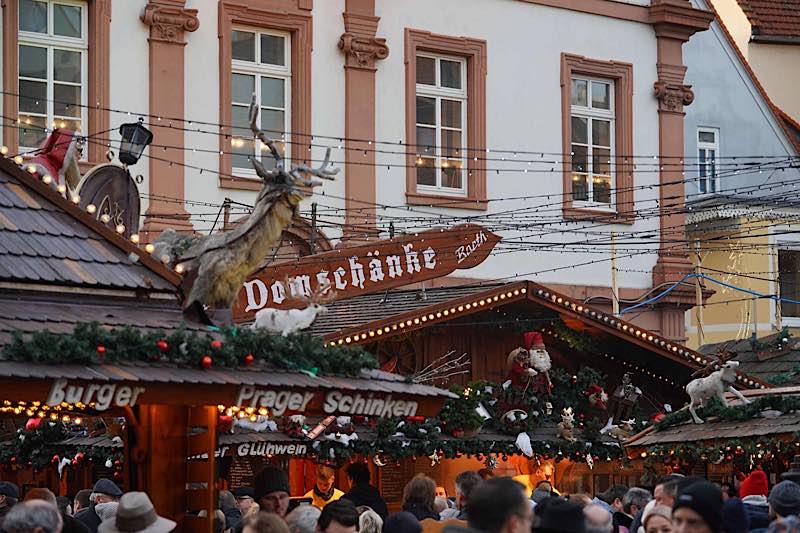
pixel 590 113
pixel 438 93
pixel 786 243
pixel 258 70
pixel 703 182
pixel 51 42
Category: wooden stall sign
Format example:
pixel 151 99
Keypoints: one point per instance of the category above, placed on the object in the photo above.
pixel 366 268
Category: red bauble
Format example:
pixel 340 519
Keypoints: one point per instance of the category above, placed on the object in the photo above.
pixel 217 345
pixel 55 460
pixel 117 463
pixel 416 419
pixel 413 458
pixel 101 350
pixel 248 359
pixel 74 462
pixel 33 423
pixel 79 456
pixel 206 361
pixel 162 345
pixel 117 475
pixel 13 460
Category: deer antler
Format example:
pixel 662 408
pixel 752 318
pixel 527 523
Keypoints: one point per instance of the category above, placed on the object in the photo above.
pixel 325 171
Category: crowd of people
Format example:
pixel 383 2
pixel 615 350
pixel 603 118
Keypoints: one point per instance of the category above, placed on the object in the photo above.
pixel 482 504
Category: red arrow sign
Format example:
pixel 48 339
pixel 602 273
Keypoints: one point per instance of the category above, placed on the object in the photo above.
pixel 367 268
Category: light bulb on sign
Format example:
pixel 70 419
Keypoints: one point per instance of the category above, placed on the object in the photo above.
pixel 149 248
pixel 91 209
pixel 120 229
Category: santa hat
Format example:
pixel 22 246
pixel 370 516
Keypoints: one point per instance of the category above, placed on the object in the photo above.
pixel 533 339
pixel 754 485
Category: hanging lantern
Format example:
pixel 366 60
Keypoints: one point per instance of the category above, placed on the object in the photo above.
pixel 135 138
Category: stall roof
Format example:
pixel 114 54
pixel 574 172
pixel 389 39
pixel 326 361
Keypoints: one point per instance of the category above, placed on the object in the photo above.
pixel 46 239
pixel 367 319
pixel 154 373
pixel 729 429
pixel 767 364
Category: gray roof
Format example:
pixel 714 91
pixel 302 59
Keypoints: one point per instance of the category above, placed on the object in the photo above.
pixel 765 364
pixel 44 241
pixel 711 430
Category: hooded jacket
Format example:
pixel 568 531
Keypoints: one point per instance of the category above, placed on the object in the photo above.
pixel 366 494
pixel 757 509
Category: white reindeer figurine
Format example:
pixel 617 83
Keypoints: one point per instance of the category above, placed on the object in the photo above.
pixel 567 425
pixel 287 321
pixel 713 386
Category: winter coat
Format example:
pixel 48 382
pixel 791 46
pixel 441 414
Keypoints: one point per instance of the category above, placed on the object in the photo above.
pixel 366 494
pixel 420 512
pixel 757 510
pixel 89 518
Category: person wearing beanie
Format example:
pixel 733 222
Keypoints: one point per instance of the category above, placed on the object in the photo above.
pixel 753 491
pixel 272 491
pixel 734 516
pixel 790 524
pixel 556 515
pixel 698 508
pixel 784 501
pixel 657 518
pixel 402 522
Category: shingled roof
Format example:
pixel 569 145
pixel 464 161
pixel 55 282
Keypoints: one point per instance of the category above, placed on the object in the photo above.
pixel 773 18
pixel 771 365
pixel 45 239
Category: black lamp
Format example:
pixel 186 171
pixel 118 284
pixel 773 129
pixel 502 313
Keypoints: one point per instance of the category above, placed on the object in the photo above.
pixel 135 138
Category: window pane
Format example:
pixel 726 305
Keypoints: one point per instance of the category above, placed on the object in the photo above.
pixel 601 132
pixel 67 65
pixel 426 140
pixel 33 96
pixel 580 130
pixel 451 113
pixel 579 92
pixel 32 16
pixel 426 173
pixel 272 122
pixel 600 95
pixel 242 88
pixel 272 94
pixel 33 62
pixel 789 279
pixel 31 132
pixel 426 70
pixel 426 110
pixel 601 189
pixel 243 45
pixel 701 163
pixel 451 143
pixel 706 136
pixel 451 174
pixel 74 125
pixel 272 50
pixel 67 99
pixel 240 122
pixel 580 189
pixel 579 159
pixel 450 74
pixel 67 20
pixel 601 162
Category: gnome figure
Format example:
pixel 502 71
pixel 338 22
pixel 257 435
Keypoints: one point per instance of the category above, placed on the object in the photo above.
pixel 528 366
pixel 58 158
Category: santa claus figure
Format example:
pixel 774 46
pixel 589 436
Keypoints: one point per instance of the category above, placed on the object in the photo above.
pixel 58 158
pixel 528 366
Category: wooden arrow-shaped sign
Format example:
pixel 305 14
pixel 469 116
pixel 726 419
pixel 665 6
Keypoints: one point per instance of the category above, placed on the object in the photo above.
pixel 367 268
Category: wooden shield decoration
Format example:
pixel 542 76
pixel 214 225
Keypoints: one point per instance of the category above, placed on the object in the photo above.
pixel 367 268
pixel 113 192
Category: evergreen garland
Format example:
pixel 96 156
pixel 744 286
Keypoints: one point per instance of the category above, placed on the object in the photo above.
pixel 90 343
pixel 714 408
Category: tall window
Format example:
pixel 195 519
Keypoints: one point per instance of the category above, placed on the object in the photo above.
pixel 789 280
pixel 707 148
pixel 441 106
pixel 52 68
pixel 592 141
pixel 261 65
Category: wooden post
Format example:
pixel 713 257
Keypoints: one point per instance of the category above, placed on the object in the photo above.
pixel 698 292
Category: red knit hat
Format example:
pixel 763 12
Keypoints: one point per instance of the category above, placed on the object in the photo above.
pixel 754 485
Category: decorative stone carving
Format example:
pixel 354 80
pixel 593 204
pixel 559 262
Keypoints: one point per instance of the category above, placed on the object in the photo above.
pixel 362 52
pixel 168 23
pixel 672 96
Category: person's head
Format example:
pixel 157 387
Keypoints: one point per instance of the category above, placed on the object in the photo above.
pixel 698 509
pixel 303 519
pixel 358 473
pixel 33 516
pixel 9 494
pixel 613 496
pixel 598 520
pixel 728 490
pixel 557 515
pixel 63 504
pixel 81 500
pixel 245 499
pixel 402 522
pixel 499 505
pixel 465 483
pixel 135 513
pixel 754 485
pixel 272 491
pixel 657 519
pixel 41 493
pixel 580 499
pixel 784 499
pixel 635 500
pixel 105 490
pixel 666 492
pixel 421 491
pixel 485 474
pixel 340 516
pixel 545 485
pixel 369 521
pixel 226 500
pixel 439 504
pixel 734 516
pixel 264 523
pixel 325 476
